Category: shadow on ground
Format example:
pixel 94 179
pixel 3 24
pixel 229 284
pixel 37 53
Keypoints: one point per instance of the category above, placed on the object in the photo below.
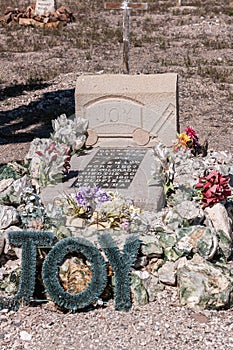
pixel 17 90
pixel 26 122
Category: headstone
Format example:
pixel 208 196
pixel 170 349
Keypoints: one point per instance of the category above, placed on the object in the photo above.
pixel 127 116
pixel 136 110
pixel 44 7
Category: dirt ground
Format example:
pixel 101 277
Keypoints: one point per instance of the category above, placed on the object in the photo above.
pixel 38 73
pixel 39 67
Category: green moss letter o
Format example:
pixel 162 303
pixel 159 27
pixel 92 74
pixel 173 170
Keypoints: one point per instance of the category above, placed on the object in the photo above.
pixel 51 269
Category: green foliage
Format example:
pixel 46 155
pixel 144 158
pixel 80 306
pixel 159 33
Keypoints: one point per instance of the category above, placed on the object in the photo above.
pixel 7 172
pixel 121 264
pixel 29 241
pixel 50 272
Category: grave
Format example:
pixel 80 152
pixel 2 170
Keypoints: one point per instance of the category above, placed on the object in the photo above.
pixel 44 7
pixel 127 116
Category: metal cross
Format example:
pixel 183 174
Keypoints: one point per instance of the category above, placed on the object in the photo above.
pixel 126 6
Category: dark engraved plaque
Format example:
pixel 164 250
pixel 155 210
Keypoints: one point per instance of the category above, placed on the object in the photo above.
pixel 111 168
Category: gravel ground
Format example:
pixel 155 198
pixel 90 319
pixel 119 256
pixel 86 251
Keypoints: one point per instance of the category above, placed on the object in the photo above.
pixel 162 324
pixel 197 44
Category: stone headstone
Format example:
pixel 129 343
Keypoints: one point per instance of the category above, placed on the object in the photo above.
pixel 44 7
pixel 127 116
pixel 138 110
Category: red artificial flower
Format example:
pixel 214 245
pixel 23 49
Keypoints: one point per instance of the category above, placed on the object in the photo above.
pixel 214 188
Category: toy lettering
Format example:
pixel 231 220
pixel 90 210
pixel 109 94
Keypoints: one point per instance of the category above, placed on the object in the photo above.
pixel 120 262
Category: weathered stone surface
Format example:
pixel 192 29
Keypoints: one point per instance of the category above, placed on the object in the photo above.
pixel 151 247
pixel 141 261
pixel 138 291
pixel 8 216
pixel 188 210
pixel 197 239
pixel 7 247
pixel 11 194
pixel 154 265
pixel 4 184
pixel 224 244
pixel 152 286
pixel 118 105
pixel 2 242
pixel 220 219
pixel 191 240
pixel 150 283
pixel 203 285
pixel 167 273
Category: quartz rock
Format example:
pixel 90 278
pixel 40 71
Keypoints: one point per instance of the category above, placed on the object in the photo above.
pixel 167 273
pixel 8 216
pixel 138 291
pixel 224 244
pixel 151 247
pixel 10 283
pixel 2 242
pixel 4 185
pixel 14 251
pixel 219 218
pixel 197 239
pixel 150 283
pixel 152 286
pixel 191 240
pixel 188 210
pixel 154 265
pixel 203 285
pixel 11 194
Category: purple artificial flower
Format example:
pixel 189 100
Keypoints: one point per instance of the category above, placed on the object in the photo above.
pixel 81 200
pixel 87 192
pixel 101 196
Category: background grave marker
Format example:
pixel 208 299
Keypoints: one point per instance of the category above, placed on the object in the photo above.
pixel 126 6
pixel 44 7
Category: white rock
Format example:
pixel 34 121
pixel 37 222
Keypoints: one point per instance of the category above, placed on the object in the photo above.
pixel 25 336
pixel 18 251
pixel 5 183
pixel 219 217
pixel 8 216
pixel 167 273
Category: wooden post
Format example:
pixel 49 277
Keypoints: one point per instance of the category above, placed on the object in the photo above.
pixel 126 35
pixel 126 6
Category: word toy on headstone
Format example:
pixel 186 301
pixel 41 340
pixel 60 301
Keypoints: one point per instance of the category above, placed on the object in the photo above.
pixel 44 7
pixel 126 6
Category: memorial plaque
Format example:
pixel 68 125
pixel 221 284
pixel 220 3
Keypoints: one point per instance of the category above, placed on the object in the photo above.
pixel 111 168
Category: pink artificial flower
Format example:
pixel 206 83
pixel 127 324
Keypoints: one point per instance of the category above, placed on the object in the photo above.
pixel 190 131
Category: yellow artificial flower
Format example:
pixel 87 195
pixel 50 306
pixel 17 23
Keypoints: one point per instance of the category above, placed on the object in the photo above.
pixel 184 138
